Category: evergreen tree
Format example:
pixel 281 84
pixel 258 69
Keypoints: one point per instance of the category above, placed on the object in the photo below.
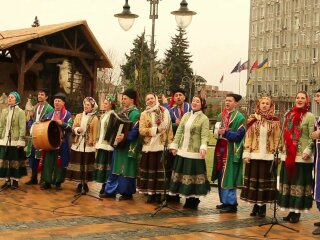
pixel 177 62
pixel 136 71
pixel 36 22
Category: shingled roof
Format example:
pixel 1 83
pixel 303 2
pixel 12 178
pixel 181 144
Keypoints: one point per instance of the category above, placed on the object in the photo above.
pixel 11 38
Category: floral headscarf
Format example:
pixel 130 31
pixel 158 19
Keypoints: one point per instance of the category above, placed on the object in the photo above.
pixel 93 103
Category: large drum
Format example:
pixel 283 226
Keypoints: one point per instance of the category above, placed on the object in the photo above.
pixel 46 135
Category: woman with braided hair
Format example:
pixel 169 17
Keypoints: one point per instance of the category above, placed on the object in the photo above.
pixel 261 140
pixel 295 188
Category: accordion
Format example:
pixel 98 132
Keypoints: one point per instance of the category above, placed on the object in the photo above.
pixel 118 123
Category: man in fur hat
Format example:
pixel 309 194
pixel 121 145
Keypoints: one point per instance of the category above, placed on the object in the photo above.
pixel 53 163
pixel 124 167
pixel 227 166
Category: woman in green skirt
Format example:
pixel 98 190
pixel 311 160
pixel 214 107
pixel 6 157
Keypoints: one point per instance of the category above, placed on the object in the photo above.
pixel 12 142
pixel 104 150
pixel 295 188
pixel 189 175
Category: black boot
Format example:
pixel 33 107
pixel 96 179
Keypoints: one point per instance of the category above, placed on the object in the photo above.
pixel 45 186
pixel 58 186
pixel 79 188
pixel 86 188
pixel 34 178
pixel 15 184
pixel 194 203
pixel 158 198
pixel 262 211
pixel 288 217
pixel 151 198
pixel 255 210
pixel 295 217
pixel 102 188
pixel 187 203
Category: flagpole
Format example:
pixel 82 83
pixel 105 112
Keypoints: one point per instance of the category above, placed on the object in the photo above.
pixel 239 78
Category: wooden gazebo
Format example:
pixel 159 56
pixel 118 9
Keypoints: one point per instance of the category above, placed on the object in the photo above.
pixel 31 59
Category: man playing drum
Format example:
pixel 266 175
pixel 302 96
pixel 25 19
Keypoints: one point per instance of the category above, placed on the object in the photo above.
pixel 42 108
pixel 55 161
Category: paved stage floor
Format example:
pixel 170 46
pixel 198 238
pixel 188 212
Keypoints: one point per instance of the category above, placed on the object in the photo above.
pixel 49 214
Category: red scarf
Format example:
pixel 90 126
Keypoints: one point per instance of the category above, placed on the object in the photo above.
pixel 292 133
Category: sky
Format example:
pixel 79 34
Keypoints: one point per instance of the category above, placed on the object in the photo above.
pixel 217 35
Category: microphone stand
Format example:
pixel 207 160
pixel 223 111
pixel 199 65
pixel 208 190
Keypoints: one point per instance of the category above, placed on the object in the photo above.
pixel 273 171
pixel 83 172
pixel 8 143
pixel 163 160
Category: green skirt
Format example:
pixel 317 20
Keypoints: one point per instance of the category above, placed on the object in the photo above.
pixel 12 162
pixel 102 166
pixel 189 177
pixel 296 193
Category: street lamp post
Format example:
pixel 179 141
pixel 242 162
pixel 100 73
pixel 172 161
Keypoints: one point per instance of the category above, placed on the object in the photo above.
pixel 191 82
pixel 126 19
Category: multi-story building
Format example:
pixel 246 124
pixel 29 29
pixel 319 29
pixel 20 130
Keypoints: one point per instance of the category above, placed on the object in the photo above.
pixel 287 33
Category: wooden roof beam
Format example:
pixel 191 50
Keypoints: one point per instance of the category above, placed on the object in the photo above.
pixel 87 67
pixel 60 51
pixel 32 60
pixel 67 41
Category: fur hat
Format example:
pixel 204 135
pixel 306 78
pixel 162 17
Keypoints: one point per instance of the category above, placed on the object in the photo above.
pixel 61 96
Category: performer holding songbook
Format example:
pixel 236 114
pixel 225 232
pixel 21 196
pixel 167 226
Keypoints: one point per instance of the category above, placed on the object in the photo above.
pixel 85 130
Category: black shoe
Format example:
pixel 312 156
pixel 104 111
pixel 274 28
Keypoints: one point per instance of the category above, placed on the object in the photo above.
pixel 45 186
pixel 6 184
pixel 288 217
pixel 316 224
pixel 229 209
pixel 187 203
pixel 194 203
pixel 173 198
pixel 58 186
pixel 151 198
pixel 158 198
pixel 15 184
pixel 295 217
pixel 102 188
pixel 79 188
pixel 32 181
pixel 316 231
pixel 86 188
pixel 107 195
pixel 262 211
pixel 220 206
pixel 125 197
pixel 255 210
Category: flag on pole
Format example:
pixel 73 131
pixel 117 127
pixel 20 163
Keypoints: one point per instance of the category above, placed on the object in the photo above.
pixel 254 66
pixel 236 68
pixel 244 66
pixel 249 81
pixel 263 65
pixel 221 79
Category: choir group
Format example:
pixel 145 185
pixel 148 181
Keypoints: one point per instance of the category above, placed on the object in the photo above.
pixel 162 153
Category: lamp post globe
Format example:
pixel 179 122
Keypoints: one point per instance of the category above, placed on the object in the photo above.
pixel 126 18
pixel 183 15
